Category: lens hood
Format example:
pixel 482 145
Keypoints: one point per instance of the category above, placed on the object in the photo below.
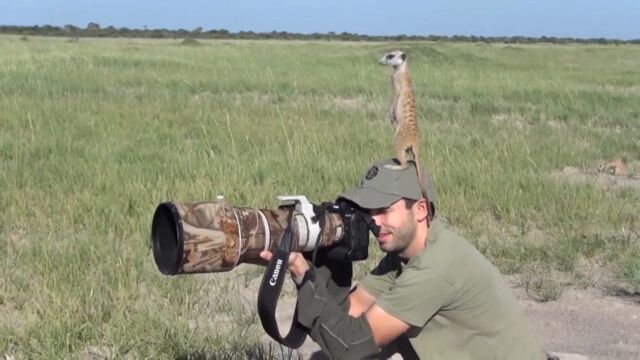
pixel 167 238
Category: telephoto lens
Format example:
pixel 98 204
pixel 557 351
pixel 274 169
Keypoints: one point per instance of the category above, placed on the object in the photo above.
pixel 203 237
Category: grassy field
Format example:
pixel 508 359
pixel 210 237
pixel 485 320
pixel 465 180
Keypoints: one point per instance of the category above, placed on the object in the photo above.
pixel 94 134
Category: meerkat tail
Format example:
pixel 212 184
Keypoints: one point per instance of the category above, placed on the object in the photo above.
pixel 421 182
pixel 414 159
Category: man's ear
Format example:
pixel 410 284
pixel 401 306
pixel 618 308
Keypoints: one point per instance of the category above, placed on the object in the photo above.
pixel 421 210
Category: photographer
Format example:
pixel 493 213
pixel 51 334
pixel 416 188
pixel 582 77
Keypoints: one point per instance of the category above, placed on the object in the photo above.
pixel 433 296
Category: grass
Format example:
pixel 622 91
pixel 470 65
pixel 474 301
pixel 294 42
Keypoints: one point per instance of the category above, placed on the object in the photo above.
pixel 94 134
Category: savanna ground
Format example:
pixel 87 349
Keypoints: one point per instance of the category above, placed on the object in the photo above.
pixel 95 133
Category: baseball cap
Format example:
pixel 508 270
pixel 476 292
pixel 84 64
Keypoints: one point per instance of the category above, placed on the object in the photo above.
pixel 381 186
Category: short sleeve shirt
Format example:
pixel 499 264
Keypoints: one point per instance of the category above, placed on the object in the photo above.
pixel 455 301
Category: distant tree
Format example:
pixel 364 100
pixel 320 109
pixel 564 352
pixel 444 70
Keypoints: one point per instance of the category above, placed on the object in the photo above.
pixel 181 33
pixel 109 31
pixel 222 34
pixel 47 30
pixel 94 29
pixel 93 26
pixel 70 28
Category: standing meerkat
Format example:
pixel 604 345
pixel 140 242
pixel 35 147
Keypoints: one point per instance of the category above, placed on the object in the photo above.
pixel 402 114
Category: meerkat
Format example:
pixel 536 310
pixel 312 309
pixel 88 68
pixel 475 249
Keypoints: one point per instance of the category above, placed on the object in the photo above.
pixel 613 167
pixel 402 114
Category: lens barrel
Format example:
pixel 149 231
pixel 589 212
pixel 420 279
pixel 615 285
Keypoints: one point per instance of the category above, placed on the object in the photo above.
pixel 205 237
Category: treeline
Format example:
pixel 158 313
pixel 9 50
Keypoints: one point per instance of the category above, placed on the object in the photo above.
pixel 95 30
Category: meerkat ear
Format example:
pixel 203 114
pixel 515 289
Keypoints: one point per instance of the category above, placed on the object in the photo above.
pixel 403 56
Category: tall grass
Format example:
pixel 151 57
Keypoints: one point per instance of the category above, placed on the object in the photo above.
pixel 94 134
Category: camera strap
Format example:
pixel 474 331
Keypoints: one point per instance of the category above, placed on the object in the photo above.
pixel 269 293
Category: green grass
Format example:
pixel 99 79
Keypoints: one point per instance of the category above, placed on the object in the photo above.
pixel 94 134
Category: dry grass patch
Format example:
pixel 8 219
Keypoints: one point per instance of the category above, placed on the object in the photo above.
pixel 355 104
pixel 516 120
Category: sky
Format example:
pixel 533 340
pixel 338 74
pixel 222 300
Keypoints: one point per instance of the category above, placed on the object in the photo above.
pixel 613 19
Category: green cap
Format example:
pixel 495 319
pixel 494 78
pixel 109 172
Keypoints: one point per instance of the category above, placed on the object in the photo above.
pixel 381 186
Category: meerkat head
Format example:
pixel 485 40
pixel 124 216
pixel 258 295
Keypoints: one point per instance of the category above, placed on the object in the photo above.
pixel 394 58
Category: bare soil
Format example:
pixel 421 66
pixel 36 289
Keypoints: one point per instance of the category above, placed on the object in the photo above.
pixel 585 322
pixel 607 181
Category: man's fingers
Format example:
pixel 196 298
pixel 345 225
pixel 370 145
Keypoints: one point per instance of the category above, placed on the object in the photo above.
pixel 297 264
pixel 266 255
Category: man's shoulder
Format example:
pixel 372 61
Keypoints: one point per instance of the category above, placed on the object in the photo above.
pixel 443 242
pixel 441 233
pixel 451 255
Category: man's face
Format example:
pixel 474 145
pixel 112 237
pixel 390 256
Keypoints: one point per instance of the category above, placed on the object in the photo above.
pixel 397 226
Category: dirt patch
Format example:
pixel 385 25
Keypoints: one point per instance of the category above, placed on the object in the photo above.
pixel 96 353
pixel 602 175
pixel 585 322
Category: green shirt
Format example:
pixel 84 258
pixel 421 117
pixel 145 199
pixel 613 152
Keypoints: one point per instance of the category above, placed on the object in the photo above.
pixel 455 300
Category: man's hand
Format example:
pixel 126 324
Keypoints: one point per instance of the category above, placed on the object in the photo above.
pixel 297 264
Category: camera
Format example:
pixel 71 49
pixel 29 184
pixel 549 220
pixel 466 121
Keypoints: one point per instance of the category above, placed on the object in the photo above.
pixel 213 236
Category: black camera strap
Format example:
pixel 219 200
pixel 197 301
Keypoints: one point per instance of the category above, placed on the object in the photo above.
pixel 269 293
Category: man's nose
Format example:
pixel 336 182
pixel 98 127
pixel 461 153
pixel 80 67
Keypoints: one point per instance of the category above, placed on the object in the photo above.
pixel 377 219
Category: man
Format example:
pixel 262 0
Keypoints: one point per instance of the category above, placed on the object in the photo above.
pixel 432 287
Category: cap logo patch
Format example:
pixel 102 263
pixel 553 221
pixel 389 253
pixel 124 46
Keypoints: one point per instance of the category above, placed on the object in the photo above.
pixel 371 173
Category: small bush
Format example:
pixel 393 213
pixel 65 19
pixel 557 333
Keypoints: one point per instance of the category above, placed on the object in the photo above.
pixel 629 270
pixel 541 282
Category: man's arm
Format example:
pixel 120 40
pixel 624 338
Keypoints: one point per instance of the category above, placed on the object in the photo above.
pixel 384 327
pixel 360 301
pixel 337 332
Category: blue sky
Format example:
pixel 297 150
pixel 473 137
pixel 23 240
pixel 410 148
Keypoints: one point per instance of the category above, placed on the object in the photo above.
pixel 619 19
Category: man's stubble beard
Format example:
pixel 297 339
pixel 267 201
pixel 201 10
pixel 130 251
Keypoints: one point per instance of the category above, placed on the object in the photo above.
pixel 403 235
